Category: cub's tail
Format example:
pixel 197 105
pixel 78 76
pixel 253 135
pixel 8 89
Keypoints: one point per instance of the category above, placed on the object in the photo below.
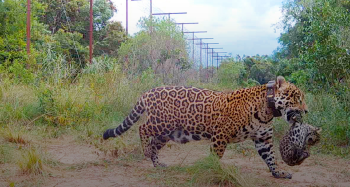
pixel 132 118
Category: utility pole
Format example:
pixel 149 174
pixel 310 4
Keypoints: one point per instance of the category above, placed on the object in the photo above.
pixel 150 15
pixel 158 14
pixel 217 53
pixel 212 59
pixel 91 30
pixel 28 27
pixel 182 25
pixel 127 20
pixel 150 8
pixel 193 41
pixel 207 64
pixel 208 58
pixel 200 44
pixel 220 58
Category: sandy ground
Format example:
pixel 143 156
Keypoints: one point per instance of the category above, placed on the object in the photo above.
pixel 84 165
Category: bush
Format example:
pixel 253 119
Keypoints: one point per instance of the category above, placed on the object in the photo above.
pixel 231 74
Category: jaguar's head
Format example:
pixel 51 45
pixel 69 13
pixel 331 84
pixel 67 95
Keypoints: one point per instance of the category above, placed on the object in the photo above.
pixel 289 99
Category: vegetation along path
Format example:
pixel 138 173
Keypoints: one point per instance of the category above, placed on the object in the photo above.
pixel 77 163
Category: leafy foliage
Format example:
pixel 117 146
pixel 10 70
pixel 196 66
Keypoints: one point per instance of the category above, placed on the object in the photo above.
pixel 61 26
pixel 164 50
pixel 247 71
pixel 316 39
pixel 231 74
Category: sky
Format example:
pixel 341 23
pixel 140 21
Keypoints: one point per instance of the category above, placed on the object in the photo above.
pixel 243 27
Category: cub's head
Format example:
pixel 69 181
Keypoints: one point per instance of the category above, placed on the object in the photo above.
pixel 313 136
pixel 289 98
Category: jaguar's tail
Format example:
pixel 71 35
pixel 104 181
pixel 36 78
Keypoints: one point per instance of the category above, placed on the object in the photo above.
pixel 132 118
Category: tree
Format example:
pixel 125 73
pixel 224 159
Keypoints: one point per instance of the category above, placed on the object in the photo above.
pixel 231 73
pixel 110 38
pixel 164 50
pixel 316 38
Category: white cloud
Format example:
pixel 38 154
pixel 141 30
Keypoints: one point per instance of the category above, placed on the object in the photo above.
pixel 241 27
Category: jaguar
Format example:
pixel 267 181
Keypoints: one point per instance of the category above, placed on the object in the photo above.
pixel 183 114
pixel 295 144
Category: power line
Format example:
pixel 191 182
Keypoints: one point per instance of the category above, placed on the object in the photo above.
pixel 182 25
pixel 158 14
pixel 193 40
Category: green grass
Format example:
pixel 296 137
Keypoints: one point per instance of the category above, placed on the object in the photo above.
pixel 210 171
pixel 6 152
pixel 18 103
pixel 30 113
pixel 94 98
pixel 327 112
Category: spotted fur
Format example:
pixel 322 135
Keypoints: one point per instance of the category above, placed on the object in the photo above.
pixel 296 143
pixel 183 114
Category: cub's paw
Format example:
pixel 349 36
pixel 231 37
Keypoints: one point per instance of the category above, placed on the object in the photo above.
pixel 162 165
pixel 282 174
pixel 159 165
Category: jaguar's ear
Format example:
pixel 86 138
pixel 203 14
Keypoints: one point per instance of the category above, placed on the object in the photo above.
pixel 281 82
pixel 319 130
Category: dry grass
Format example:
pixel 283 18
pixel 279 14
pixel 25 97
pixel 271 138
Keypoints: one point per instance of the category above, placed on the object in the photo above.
pixel 31 162
pixel 14 134
pixel 16 137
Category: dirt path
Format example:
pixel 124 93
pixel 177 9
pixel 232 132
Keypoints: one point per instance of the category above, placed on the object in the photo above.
pixel 83 165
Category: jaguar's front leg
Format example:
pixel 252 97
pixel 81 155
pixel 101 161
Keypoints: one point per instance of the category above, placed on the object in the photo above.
pixel 264 146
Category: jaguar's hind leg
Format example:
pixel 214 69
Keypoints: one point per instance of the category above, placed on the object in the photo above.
pixel 145 140
pixel 151 145
pixel 156 144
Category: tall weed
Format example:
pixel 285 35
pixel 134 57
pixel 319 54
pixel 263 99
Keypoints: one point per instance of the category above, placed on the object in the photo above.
pixel 18 103
pixel 328 112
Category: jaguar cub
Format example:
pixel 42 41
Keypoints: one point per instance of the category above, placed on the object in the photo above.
pixel 295 145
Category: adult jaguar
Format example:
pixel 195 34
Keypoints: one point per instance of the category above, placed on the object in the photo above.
pixel 182 114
